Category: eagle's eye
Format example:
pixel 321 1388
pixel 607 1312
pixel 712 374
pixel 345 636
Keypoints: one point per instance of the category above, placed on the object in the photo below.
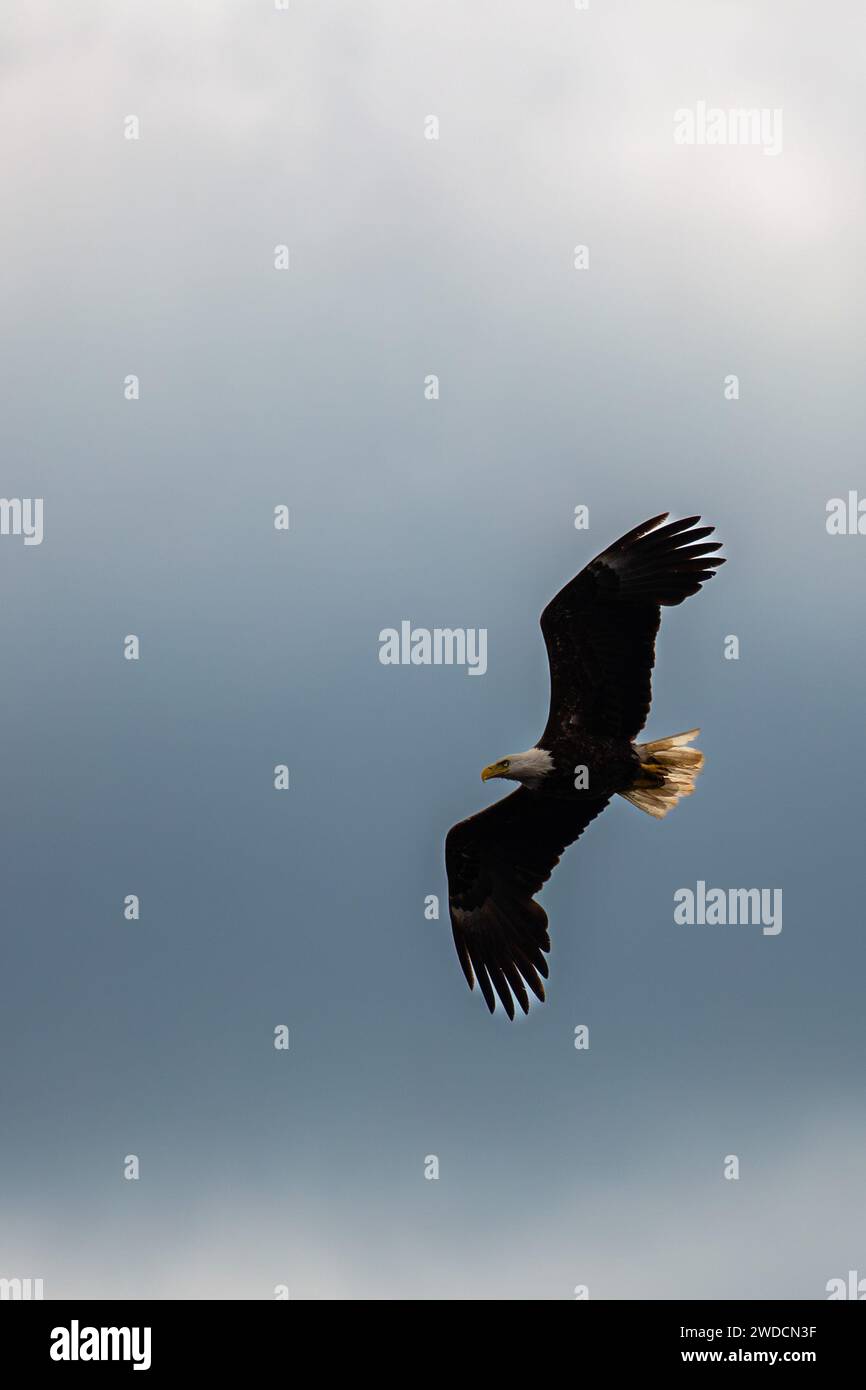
pixel 506 762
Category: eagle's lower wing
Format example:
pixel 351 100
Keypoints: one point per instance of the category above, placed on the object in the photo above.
pixel 496 861
pixel 600 629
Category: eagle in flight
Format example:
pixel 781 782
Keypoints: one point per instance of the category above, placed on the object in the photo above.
pixel 600 635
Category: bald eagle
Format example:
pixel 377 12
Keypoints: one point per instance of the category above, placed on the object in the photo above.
pixel 600 635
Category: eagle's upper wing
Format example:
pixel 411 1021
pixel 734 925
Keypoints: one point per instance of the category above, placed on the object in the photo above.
pixel 495 862
pixel 600 629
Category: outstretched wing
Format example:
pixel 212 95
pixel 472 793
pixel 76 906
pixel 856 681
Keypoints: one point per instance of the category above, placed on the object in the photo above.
pixel 600 630
pixel 496 861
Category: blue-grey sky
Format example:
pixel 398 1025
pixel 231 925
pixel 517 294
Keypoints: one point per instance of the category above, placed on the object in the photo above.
pixel 603 387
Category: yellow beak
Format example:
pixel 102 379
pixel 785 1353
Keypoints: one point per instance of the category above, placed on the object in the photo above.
pixel 491 771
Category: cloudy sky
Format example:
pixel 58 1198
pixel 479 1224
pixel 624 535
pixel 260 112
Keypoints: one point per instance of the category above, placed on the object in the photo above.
pixel 558 387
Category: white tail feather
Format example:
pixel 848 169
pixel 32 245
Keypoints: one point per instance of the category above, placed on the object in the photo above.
pixel 668 769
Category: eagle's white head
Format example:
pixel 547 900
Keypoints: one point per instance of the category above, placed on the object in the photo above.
pixel 529 767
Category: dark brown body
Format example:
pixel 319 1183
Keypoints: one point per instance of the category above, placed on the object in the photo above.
pixel 591 767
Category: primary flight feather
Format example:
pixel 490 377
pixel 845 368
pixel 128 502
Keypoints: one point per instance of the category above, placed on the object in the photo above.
pixel 600 633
